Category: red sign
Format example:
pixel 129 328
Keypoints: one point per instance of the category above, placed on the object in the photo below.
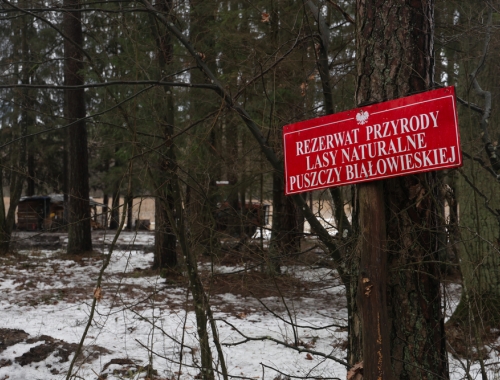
pixel 414 134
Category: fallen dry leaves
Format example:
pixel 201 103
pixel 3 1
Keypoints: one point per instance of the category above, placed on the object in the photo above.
pixel 98 294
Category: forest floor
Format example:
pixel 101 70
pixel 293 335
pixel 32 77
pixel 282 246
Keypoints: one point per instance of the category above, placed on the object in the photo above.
pixel 145 323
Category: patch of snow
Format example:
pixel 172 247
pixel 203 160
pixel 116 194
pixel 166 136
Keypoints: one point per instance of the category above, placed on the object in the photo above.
pixel 140 315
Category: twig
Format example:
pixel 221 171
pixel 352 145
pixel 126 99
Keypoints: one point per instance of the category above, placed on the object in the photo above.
pixel 480 193
pixel 252 126
pixel 494 363
pixel 183 335
pixel 470 105
pixel 275 63
pixel 483 165
pixel 110 83
pixel 163 356
pixel 464 102
pixel 161 329
pixel 346 15
pixel 187 365
pixel 298 349
pixel 467 372
pixel 78 120
pixel 291 323
pixel 299 377
pixel 294 324
pixel 57 29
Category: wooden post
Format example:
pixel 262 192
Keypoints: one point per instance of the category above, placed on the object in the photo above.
pixel 372 283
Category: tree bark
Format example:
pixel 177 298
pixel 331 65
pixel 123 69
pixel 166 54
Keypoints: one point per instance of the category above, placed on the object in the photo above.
pixel 165 254
pixel 30 189
pixel 105 210
pixel 79 233
pixel 204 204
pixel 130 206
pixel 285 235
pixel 394 59
pixel 18 174
pixel 115 208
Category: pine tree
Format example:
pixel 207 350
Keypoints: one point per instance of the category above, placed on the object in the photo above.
pixel 398 234
pixel 79 233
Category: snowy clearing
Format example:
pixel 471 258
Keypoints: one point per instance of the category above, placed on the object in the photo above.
pixel 145 322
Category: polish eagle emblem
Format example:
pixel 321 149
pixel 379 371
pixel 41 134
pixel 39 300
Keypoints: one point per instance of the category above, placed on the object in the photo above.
pixel 362 117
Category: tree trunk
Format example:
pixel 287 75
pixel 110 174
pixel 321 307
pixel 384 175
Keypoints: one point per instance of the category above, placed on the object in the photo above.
pixel 278 241
pixel 18 174
pixel 165 254
pixel 79 232
pixel 65 176
pixel 285 239
pixel 285 235
pixel 30 189
pixel 394 59
pixel 130 206
pixel 236 209
pixel 105 210
pixel 115 209
pixel 204 230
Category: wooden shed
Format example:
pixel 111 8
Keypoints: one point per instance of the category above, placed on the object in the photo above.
pixel 32 212
pixel 44 212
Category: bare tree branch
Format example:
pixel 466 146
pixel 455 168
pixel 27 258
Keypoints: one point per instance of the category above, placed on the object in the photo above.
pixel 298 377
pixel 275 63
pixel 294 324
pixel 254 129
pixel 43 19
pixel 346 15
pixel 464 102
pixel 298 349
pixel 76 121
pixel 481 194
pixel 107 84
pixel 483 165
pixel 470 105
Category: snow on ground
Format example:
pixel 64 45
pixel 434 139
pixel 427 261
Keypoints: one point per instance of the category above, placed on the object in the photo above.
pixel 45 294
pixel 144 321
